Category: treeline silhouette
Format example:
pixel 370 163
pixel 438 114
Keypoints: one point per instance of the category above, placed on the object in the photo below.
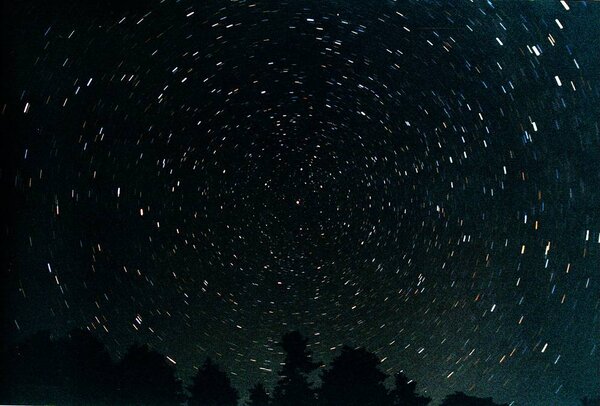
pixel 78 370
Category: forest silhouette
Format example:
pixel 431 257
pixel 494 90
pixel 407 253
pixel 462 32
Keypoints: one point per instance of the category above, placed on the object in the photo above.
pixel 78 370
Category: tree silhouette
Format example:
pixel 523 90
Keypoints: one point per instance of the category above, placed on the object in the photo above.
pixel 77 369
pixel 258 396
pixel 212 387
pixel 354 379
pixel 88 369
pixel 293 388
pixel 73 370
pixel 460 399
pixel 36 373
pixel 145 377
pixel 586 401
pixel 404 392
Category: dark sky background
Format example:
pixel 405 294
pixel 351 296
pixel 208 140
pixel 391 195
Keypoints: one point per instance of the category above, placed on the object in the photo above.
pixel 418 177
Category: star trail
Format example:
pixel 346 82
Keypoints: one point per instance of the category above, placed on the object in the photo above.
pixel 418 177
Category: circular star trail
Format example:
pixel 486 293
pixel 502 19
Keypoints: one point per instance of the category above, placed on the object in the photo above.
pixel 417 177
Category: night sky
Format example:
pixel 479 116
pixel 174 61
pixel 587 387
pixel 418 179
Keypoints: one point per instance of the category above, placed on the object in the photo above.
pixel 418 177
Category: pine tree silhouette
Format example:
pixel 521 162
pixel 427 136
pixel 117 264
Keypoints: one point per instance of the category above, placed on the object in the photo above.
pixel 212 387
pixel 77 370
pixel 36 371
pixel 89 370
pixel 258 396
pixel 293 388
pixel 586 401
pixel 461 399
pixel 354 379
pixel 145 377
pixel 404 392
pixel 73 370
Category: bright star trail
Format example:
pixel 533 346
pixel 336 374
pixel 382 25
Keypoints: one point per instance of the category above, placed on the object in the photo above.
pixel 418 177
